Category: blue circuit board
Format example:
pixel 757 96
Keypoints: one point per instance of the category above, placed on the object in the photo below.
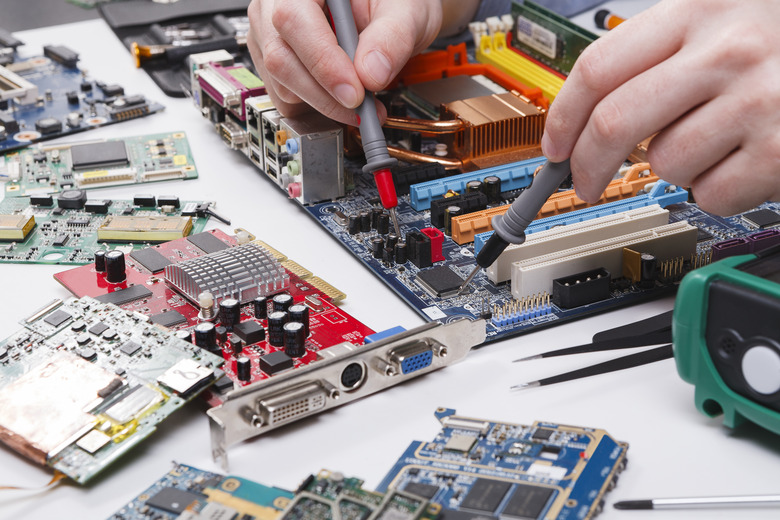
pixel 190 493
pixel 61 99
pixel 484 296
pixel 478 469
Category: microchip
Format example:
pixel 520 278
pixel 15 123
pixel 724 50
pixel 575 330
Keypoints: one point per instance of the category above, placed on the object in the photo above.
pixel 98 328
pixel 112 90
pixel 173 500
pixel 527 501
pixel 130 348
pixel 421 489
pixel 763 218
pixel 122 296
pixel 542 434
pixel 207 242
pixel 485 495
pixel 61 54
pixel 249 331
pixel 702 235
pixel 440 281
pixel 48 125
pixel 223 384
pixel 168 319
pixel 41 200
pixel 97 206
pixel 275 362
pixel 57 318
pixel 78 222
pixel 151 259
pixel 460 442
pixel 98 155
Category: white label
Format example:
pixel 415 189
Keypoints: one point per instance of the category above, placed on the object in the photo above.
pixel 537 37
pixel 434 313
pixel 545 471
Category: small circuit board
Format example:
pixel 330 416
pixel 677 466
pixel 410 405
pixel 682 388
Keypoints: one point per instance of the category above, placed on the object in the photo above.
pixel 188 493
pixel 49 96
pixel 84 382
pixel 330 495
pixel 52 168
pixel 38 229
pixel 250 338
pixel 478 469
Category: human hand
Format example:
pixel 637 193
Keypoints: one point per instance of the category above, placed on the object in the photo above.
pixel 705 75
pixel 302 66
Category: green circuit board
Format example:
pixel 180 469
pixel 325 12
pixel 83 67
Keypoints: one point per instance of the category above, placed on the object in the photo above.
pixel 52 168
pixel 71 236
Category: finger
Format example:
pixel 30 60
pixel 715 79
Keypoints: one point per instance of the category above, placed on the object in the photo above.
pixel 303 26
pixel 722 189
pixel 285 101
pixel 626 51
pixel 697 141
pixel 396 32
pixel 636 109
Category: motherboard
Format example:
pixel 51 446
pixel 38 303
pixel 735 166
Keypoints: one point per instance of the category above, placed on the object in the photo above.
pixel 52 168
pixel 71 229
pixel 83 382
pixel 479 469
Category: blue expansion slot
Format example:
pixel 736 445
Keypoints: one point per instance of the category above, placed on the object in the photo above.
pixel 513 177
pixel 662 194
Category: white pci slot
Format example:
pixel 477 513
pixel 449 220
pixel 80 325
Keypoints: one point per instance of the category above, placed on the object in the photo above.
pixel 576 234
pixel 535 275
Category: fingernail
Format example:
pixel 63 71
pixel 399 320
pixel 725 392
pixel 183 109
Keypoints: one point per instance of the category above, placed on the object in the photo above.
pixel 346 95
pixel 378 67
pixel 548 148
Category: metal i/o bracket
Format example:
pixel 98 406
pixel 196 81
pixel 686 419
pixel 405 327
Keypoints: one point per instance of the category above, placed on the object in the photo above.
pixel 332 381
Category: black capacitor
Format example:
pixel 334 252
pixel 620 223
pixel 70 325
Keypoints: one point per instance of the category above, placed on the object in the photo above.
pixel 391 241
pixel 365 221
pixel 449 214
pixel 185 335
pixel 353 225
pixel 221 334
pixel 236 345
pixel 115 266
pixel 401 253
pixel 282 302
pixel 261 307
pixel 375 217
pixel 388 255
pixel 100 261
pixel 415 142
pixel 206 335
pixel 294 339
pixel 229 313
pixel 276 321
pixel 473 186
pixel 648 269
pixel 300 313
pixel 377 244
pixel 492 188
pixel 244 368
pixel 383 223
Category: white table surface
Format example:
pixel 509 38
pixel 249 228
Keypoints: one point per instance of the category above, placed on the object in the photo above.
pixel 674 450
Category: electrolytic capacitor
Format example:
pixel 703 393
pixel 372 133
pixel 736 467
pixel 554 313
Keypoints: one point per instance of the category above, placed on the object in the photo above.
pixel 391 241
pixel 492 188
pixel 229 313
pixel 100 261
pixel 244 368
pixel 388 255
pixel 294 339
pixel 375 217
pixel 415 141
pixel 185 335
pixel 282 302
pixel 353 225
pixel 300 313
pixel 276 321
pixel 400 253
pixel 365 221
pixel 236 345
pixel 115 266
pixel 648 269
pixel 206 335
pixel 383 223
pixel 473 186
pixel 260 307
pixel 450 213
pixel 377 244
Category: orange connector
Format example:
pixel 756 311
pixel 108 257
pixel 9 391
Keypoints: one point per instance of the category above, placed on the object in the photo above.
pixel 466 226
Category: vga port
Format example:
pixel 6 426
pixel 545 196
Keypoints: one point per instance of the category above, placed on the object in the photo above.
pixel 412 358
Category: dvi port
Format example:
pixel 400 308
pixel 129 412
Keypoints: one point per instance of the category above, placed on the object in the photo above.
pixel 413 357
pixel 291 404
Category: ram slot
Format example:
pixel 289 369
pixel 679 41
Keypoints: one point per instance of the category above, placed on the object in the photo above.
pixel 535 275
pixel 574 235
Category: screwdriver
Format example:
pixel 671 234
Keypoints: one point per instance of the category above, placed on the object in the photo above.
pixel 510 227
pixel 378 160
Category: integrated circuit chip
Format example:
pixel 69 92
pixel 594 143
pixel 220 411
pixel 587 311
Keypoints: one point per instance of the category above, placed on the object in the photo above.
pixel 763 218
pixel 151 259
pixel 168 319
pixel 421 489
pixel 57 318
pixel 485 495
pixel 172 500
pixel 542 434
pixel 275 362
pixel 98 328
pixel 440 281
pixel 122 296
pixel 460 442
pixel 130 348
pixel 98 155
pixel 129 228
pixel 207 242
pixel 249 331
pixel 527 501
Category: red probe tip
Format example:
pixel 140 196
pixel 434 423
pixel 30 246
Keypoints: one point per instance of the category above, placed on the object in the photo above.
pixel 386 188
